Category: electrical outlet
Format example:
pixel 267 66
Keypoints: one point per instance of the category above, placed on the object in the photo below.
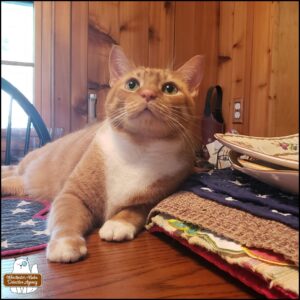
pixel 237 110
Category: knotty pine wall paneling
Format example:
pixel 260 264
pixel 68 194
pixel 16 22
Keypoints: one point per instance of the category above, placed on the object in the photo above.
pixel 284 81
pixel 38 56
pixel 62 65
pixel 61 30
pixel 79 64
pixel 103 32
pixel 234 64
pixel 259 62
pixel 161 34
pixel 196 32
pixel 241 65
pixel 134 24
pixel 260 69
pixel 44 60
pixel 225 57
pixel 250 48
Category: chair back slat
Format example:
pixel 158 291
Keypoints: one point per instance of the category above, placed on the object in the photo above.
pixel 34 120
pixel 27 136
pixel 8 135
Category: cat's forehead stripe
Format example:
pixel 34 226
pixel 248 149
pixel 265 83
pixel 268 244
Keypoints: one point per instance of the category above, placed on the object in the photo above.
pixel 152 74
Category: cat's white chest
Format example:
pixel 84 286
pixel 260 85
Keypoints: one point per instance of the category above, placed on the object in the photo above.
pixel 131 168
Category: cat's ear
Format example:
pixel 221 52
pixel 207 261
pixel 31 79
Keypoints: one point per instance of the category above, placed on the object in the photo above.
pixel 192 73
pixel 119 64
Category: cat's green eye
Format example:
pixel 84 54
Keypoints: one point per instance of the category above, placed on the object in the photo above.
pixel 132 84
pixel 170 88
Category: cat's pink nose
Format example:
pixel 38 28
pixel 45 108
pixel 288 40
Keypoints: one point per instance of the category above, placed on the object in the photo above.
pixel 148 95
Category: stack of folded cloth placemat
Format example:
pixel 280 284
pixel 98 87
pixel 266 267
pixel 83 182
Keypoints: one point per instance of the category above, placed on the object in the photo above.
pixel 241 225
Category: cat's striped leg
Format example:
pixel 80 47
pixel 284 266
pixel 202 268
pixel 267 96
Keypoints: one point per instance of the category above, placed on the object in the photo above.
pixel 68 221
pixel 125 224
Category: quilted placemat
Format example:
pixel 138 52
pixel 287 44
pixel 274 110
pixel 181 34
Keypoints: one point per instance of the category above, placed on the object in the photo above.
pixel 235 189
pixel 235 224
pixel 23 225
pixel 249 278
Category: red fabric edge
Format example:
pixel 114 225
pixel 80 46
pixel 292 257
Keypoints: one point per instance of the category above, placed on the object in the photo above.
pixel 248 277
pixel 23 250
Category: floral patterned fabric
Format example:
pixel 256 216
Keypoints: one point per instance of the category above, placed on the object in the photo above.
pixel 283 151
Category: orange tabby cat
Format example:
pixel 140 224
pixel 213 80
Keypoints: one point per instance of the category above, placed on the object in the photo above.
pixel 112 173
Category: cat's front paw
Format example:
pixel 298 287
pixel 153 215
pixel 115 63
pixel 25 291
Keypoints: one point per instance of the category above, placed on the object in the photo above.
pixel 66 249
pixel 117 231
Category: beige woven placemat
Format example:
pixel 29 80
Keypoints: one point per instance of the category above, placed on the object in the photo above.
pixel 232 223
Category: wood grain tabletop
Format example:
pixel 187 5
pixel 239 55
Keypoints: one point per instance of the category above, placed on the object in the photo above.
pixel 151 266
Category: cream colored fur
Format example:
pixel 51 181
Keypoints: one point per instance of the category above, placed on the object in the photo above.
pixel 113 173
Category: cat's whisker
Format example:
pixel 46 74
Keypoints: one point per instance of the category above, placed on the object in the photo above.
pixel 176 114
pixel 184 114
pixel 189 136
pixel 177 126
pixel 117 116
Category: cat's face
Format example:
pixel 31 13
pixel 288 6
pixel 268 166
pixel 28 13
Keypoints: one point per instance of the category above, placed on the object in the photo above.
pixel 21 266
pixel 151 102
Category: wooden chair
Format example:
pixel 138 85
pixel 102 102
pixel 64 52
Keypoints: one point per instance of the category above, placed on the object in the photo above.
pixel 34 119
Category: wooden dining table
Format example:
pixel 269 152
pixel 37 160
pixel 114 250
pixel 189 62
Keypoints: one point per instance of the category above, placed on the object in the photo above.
pixel 151 266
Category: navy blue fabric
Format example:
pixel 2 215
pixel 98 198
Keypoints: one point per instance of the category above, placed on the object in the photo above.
pixel 22 228
pixel 235 189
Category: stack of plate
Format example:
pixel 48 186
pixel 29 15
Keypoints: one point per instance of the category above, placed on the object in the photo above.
pixel 274 161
